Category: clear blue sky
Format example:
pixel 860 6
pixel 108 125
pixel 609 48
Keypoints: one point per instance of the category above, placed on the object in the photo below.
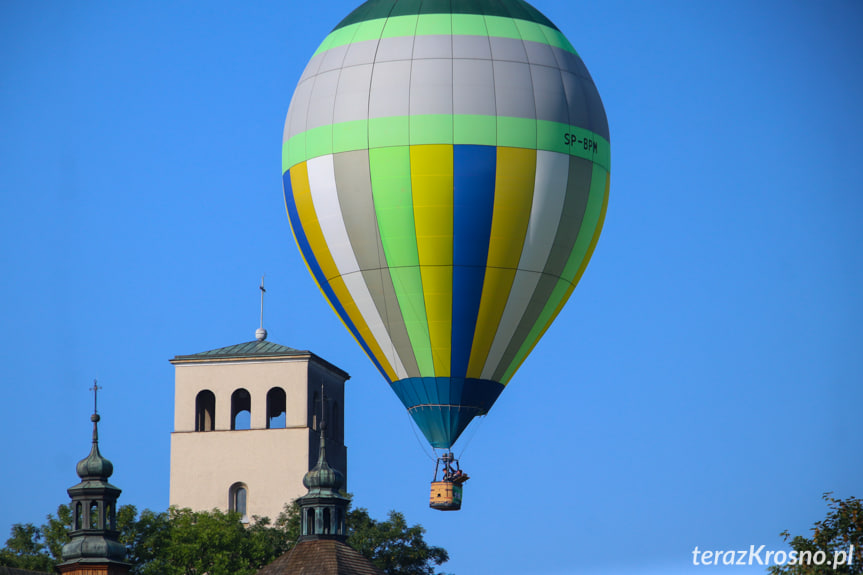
pixel 702 386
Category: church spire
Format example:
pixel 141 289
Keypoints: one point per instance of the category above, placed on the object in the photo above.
pixel 261 333
pixel 94 532
pixel 323 508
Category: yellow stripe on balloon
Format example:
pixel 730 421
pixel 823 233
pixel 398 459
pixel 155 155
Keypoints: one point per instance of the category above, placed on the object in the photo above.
pixel 300 177
pixel 344 296
pixel 432 186
pixel 513 194
pixel 309 220
pixel 315 237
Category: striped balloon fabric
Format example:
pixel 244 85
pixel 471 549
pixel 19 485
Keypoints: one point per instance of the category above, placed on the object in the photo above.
pixel 446 175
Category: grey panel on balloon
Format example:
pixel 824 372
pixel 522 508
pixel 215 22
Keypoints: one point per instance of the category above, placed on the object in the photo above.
pixel 399 48
pixel 574 204
pixel 323 99
pixel 570 62
pixel 390 93
pixel 431 87
pixel 380 286
pixel 285 132
pixel 508 49
pixel 299 109
pixel 312 67
pixel 540 54
pixel 549 95
pixel 361 53
pixel 435 46
pixel 541 294
pixel 334 58
pixel 579 112
pixel 513 90
pixel 477 47
pixel 473 87
pixel 352 95
pixel 354 188
pixel 598 121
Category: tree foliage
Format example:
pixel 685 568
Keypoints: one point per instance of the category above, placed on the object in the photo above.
pixel 186 542
pixel 391 545
pixel 833 536
pixel 25 549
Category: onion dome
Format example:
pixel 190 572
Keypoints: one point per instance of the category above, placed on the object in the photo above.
pixel 94 466
pixel 323 509
pixel 322 477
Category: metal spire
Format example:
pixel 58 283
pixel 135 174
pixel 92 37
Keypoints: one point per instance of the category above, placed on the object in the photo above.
pixel 95 417
pixel 261 333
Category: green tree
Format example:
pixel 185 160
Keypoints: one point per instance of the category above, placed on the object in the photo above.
pixel 55 531
pixel 26 550
pixel 834 536
pixel 392 545
pixel 186 542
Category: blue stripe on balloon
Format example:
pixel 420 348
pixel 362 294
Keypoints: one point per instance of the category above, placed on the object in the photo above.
pixel 442 407
pixel 473 196
pixel 309 256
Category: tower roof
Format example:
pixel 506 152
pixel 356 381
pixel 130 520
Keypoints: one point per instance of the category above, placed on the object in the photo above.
pixel 95 466
pixel 321 557
pixel 258 349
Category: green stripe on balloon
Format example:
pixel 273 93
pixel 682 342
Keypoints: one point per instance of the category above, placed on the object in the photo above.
pixel 489 8
pixel 350 136
pixel 467 129
pixel 400 27
pixel 476 130
pixel 445 25
pixel 391 187
pixel 431 129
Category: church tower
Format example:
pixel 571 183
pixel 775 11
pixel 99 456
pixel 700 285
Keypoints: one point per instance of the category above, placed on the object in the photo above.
pixel 93 548
pixel 246 426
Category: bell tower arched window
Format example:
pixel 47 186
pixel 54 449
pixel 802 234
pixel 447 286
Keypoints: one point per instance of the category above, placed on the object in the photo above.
pixel 205 411
pixel 241 409
pixel 276 408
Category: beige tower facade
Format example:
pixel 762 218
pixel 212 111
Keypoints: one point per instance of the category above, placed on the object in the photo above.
pixel 246 426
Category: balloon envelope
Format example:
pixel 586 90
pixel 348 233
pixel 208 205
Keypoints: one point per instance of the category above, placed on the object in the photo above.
pixel 446 174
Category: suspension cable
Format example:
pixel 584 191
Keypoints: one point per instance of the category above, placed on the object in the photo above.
pixel 412 425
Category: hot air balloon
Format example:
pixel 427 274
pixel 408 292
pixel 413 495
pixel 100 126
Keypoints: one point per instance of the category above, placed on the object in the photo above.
pixel 446 174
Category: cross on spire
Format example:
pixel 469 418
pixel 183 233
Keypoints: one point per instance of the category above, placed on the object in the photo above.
pixel 95 389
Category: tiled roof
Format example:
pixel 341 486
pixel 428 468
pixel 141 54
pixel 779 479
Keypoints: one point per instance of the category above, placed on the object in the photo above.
pixel 249 349
pixel 255 349
pixel 321 557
